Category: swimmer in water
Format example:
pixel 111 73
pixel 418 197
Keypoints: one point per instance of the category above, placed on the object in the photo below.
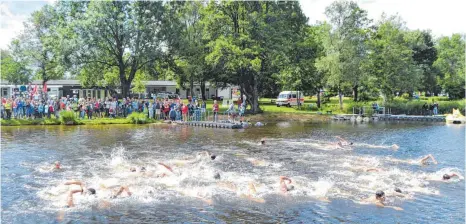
pixel 343 141
pixel 208 155
pixel 262 142
pixel 394 146
pixel 57 165
pixel 283 185
pixel 447 177
pixel 89 191
pixel 423 161
pixel 251 195
pixel 379 200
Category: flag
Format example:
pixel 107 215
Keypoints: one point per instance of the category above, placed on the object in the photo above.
pixel 44 88
pixel 34 91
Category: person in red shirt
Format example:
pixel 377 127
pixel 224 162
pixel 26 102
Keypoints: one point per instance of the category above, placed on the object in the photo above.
pixel 184 111
pixel 215 110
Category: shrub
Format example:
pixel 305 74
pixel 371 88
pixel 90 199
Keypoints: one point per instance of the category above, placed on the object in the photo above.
pixel 12 122
pixel 51 121
pixel 138 118
pixel 69 118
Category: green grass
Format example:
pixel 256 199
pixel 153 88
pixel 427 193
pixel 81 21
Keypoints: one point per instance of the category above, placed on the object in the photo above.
pixel 20 122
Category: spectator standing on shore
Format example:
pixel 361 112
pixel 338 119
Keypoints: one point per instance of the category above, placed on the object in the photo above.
pixel 435 108
pixel 425 108
pixel 215 110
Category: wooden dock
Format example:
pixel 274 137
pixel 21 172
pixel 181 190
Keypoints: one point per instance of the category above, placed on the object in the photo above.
pixel 357 117
pixel 211 124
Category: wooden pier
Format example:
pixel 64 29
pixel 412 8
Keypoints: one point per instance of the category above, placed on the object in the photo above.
pixel 357 117
pixel 211 124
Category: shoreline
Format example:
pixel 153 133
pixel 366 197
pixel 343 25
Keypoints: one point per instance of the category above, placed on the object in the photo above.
pixel 263 117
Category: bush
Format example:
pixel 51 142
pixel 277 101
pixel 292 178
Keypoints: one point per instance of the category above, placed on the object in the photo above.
pixel 69 118
pixel 415 107
pixel 138 118
pixel 10 122
pixel 51 121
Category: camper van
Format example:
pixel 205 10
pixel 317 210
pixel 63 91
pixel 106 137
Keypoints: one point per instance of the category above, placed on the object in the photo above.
pixel 290 98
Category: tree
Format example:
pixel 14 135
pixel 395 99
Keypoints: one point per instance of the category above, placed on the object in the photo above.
pixel 117 36
pixel 450 63
pixel 38 45
pixel 424 55
pixel 187 46
pixel 344 46
pixel 14 70
pixel 390 59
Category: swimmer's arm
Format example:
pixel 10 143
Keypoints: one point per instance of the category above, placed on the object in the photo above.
pixel 373 169
pixel 70 197
pixel 283 178
pixel 74 182
pixel 166 166
pixel 394 207
pixel 123 188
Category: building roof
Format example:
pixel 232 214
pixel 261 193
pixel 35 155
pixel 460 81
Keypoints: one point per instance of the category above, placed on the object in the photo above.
pixel 69 82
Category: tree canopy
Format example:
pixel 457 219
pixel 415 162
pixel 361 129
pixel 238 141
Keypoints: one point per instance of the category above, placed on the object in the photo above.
pixel 262 47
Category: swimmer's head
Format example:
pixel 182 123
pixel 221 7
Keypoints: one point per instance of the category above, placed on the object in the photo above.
pixel 262 141
pixel 132 169
pixel 212 157
pixel 91 191
pixel 57 164
pixel 398 190
pixel 143 169
pixel 217 176
pixel 380 195
pixel 446 176
pixel 290 188
pixel 351 143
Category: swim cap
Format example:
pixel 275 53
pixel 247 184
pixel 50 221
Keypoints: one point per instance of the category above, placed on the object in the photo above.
pixel 398 190
pixel 143 169
pixel 446 176
pixel 351 143
pixel 91 190
pixel 290 187
pixel 213 157
pixel 379 194
pixel 217 176
pixel 132 169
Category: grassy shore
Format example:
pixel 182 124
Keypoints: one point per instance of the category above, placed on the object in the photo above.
pixel 54 121
pixel 271 113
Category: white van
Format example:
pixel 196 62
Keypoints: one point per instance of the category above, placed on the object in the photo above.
pixel 290 98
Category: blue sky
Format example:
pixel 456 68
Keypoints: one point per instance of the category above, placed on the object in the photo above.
pixel 441 17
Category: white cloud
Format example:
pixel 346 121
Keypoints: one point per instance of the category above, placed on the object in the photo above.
pixel 11 25
pixel 442 17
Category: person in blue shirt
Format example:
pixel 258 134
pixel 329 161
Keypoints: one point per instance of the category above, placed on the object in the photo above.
pixel 172 114
pixel 41 110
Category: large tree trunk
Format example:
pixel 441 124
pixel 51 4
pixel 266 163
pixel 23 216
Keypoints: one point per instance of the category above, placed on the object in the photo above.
pixel 355 93
pixel 125 88
pixel 318 99
pixel 191 87
pixel 203 90
pixel 340 98
pixel 255 99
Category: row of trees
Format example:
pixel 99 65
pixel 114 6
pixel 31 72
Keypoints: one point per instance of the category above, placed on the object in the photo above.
pixel 261 47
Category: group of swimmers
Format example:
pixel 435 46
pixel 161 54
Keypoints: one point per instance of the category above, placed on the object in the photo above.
pixel 285 183
pixel 380 196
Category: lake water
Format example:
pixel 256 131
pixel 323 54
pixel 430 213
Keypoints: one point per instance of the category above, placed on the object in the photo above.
pixel 329 184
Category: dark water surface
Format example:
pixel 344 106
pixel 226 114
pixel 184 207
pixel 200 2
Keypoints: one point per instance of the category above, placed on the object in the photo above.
pixel 102 156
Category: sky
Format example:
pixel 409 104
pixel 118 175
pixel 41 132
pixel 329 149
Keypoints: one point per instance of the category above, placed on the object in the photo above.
pixel 443 18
